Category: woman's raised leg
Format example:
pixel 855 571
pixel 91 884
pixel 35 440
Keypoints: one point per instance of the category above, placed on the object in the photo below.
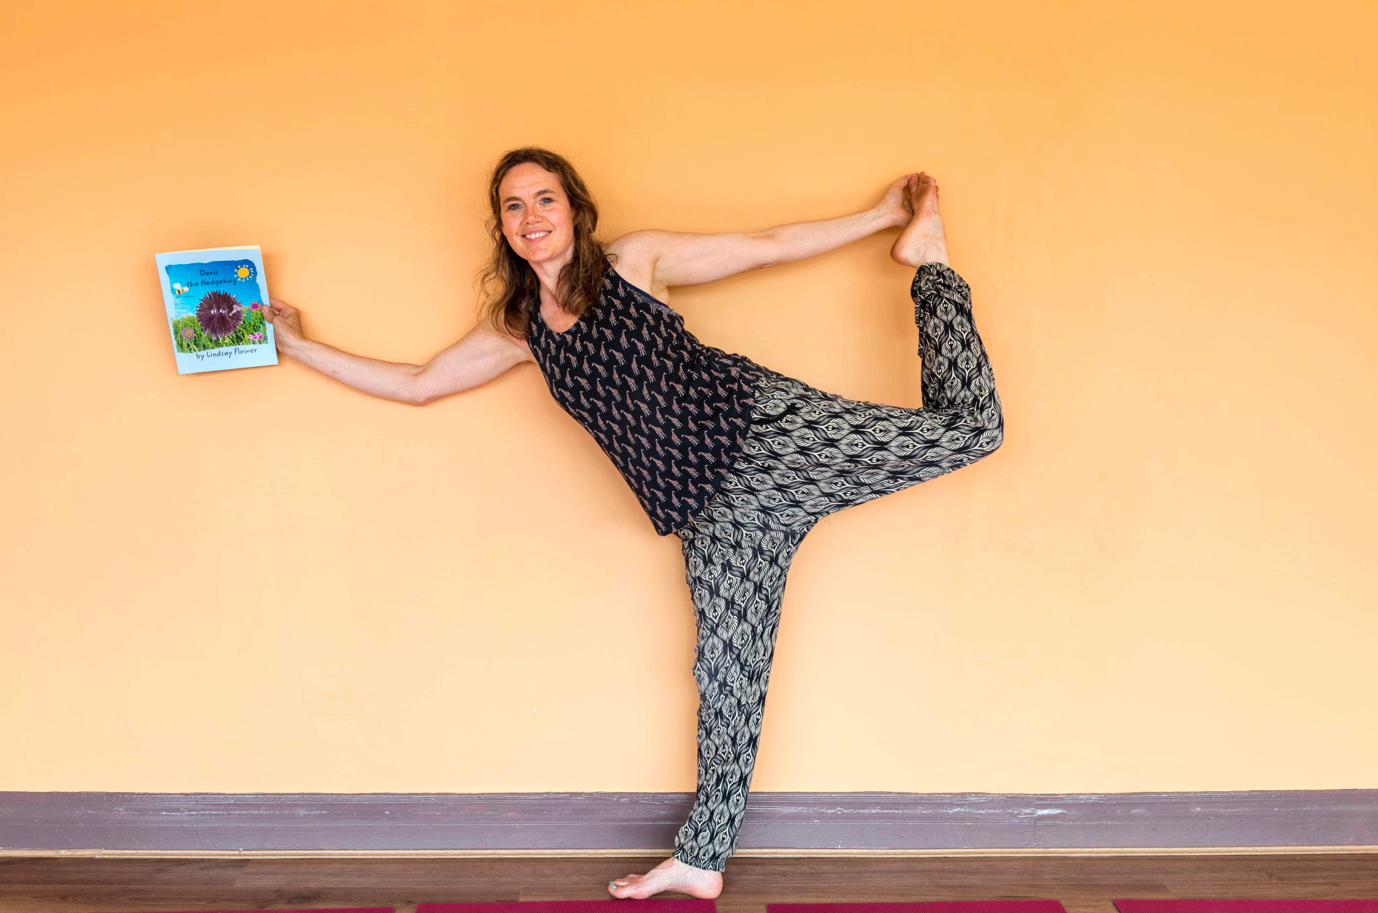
pixel 842 452
pixel 823 452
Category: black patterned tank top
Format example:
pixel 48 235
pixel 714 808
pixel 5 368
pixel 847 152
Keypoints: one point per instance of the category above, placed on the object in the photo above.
pixel 669 411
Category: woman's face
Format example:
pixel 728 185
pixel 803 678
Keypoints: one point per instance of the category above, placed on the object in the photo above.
pixel 532 200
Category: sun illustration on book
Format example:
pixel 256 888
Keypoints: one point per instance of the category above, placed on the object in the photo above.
pixel 243 272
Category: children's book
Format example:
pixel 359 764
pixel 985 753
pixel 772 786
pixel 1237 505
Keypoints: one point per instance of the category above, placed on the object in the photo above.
pixel 215 300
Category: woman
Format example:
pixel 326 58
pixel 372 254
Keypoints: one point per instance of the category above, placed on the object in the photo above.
pixel 735 459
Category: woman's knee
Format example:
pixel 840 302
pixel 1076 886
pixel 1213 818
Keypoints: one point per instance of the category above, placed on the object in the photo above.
pixel 994 435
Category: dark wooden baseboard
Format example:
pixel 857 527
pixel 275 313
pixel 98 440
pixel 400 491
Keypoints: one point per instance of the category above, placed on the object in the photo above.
pixel 1083 883
pixel 324 822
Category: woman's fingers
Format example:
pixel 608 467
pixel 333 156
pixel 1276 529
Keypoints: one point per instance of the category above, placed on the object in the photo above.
pixel 282 312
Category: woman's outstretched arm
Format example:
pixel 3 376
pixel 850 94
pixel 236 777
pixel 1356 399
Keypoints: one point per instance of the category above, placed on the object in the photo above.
pixel 479 356
pixel 689 258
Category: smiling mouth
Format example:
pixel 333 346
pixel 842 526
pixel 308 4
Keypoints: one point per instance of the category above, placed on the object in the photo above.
pixel 536 235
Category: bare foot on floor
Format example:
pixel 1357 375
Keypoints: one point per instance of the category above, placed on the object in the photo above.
pixel 670 875
pixel 922 240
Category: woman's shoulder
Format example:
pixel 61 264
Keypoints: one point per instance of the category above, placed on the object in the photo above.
pixel 634 260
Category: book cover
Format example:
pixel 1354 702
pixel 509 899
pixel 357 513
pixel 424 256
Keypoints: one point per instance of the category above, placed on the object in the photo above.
pixel 215 300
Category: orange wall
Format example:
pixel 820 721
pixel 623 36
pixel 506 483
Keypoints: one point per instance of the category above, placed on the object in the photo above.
pixel 264 580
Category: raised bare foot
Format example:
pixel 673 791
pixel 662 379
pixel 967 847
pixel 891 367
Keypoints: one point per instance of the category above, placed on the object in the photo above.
pixel 670 875
pixel 922 240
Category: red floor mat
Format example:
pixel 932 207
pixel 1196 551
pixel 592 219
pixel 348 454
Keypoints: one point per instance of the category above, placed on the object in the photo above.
pixel 313 910
pixel 1269 905
pixel 943 906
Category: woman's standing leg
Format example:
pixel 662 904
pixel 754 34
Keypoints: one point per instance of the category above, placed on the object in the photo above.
pixel 736 573
pixel 737 555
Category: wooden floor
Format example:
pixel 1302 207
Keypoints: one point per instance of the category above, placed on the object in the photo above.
pixel 1084 884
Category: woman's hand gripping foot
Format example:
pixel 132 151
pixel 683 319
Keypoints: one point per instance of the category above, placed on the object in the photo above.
pixel 670 875
pixel 922 240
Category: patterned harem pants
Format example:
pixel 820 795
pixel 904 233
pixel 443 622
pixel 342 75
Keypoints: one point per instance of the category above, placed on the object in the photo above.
pixel 806 455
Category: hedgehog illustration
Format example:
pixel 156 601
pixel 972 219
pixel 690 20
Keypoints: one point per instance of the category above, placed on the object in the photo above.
pixel 219 314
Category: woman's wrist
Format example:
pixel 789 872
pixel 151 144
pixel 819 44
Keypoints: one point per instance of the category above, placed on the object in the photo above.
pixel 292 346
pixel 388 379
pixel 888 217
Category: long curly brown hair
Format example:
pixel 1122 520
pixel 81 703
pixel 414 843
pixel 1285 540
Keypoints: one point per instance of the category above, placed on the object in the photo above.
pixel 516 287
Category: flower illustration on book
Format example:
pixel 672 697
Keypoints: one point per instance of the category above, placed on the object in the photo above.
pixel 188 333
pixel 254 306
pixel 219 314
